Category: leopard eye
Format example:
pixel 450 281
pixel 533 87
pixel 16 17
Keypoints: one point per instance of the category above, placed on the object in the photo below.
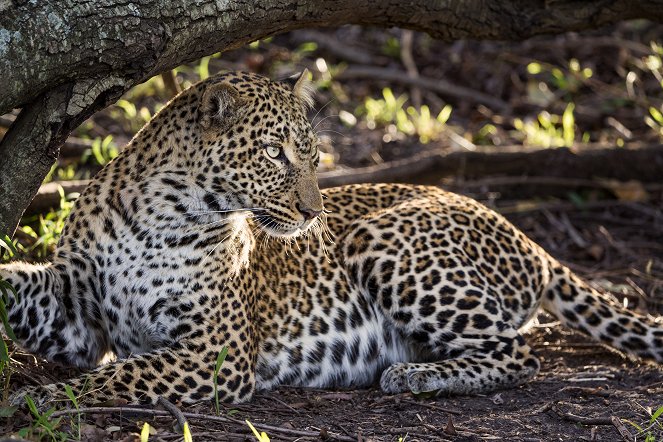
pixel 314 151
pixel 273 151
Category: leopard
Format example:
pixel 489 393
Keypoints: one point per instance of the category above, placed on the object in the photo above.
pixel 208 237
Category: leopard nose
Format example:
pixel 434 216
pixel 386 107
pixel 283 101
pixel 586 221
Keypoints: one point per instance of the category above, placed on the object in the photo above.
pixel 308 213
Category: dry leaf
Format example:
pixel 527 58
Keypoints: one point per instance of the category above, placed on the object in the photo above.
pixel 630 191
pixel 449 428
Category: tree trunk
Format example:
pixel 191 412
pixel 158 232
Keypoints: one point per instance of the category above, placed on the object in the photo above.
pixel 62 60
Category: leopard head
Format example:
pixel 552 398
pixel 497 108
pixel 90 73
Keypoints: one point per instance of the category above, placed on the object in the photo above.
pixel 259 150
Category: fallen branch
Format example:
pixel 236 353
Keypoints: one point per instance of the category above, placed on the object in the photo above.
pixel 544 181
pixel 641 163
pixel 174 411
pixel 204 417
pixel 582 419
pixel 638 163
pixel 440 86
pixel 621 429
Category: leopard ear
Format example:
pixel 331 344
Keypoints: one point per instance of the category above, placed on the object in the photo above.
pixel 302 87
pixel 220 106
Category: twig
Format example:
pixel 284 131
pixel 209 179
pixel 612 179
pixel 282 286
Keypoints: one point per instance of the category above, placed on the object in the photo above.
pixel 587 390
pixel 621 429
pixel 437 85
pixel 407 36
pixel 341 50
pixel 198 416
pixel 170 82
pixel 542 409
pixel 582 419
pixel 435 407
pixel 176 412
pixel 270 397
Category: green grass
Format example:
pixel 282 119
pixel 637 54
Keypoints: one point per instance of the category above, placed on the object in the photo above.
pixel 390 112
pixel 652 429
pixel 219 362
pixel 46 229
pixel 44 428
pixel 548 130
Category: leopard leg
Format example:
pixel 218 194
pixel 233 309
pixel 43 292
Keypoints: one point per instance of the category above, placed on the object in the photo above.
pixel 57 314
pixel 495 362
pixel 180 373
pixel 458 318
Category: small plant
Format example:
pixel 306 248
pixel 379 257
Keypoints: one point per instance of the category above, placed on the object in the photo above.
pixel 61 173
pixel 383 111
pixel 568 79
pixel 43 427
pixel 303 50
pixel 203 68
pixel 548 130
pixel 101 151
pixel 651 430
pixel 219 362
pixel 72 397
pixel 50 226
pixel 655 121
pixel 130 117
pixel 389 111
pixel 392 48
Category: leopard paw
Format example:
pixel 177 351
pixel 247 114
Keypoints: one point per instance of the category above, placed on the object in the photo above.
pixel 409 377
pixel 39 395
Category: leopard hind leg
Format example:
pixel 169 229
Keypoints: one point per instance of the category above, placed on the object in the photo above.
pixel 490 363
pixel 57 313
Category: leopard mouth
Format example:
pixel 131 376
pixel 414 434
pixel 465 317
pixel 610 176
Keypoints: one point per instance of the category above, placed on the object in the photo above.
pixel 272 226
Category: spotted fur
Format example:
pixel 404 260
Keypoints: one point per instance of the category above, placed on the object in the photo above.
pixel 184 245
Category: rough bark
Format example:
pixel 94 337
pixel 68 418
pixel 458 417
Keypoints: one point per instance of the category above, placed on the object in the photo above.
pixel 62 60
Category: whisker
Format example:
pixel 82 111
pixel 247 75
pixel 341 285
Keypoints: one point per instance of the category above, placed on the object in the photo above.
pixel 320 110
pixel 323 119
pixel 332 131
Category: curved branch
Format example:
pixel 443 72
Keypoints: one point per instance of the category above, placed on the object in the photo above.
pixel 136 40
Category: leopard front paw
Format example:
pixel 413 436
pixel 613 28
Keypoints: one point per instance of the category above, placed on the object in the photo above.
pixel 39 395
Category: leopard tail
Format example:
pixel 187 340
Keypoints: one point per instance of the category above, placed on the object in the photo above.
pixel 580 307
